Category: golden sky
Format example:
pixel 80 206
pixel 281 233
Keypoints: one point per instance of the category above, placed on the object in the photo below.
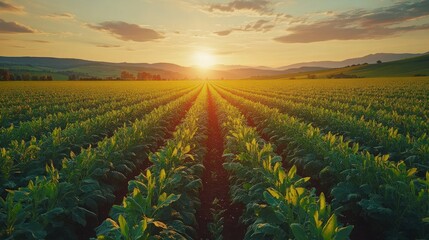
pixel 233 32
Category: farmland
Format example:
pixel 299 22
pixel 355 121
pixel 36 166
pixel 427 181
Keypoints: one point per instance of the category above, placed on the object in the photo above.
pixel 243 159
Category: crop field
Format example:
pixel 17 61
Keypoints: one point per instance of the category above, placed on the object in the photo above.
pixel 244 159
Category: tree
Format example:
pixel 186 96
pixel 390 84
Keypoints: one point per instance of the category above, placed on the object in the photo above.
pixel 127 76
pixel 26 77
pixel 4 75
pixel 73 77
pixel 379 61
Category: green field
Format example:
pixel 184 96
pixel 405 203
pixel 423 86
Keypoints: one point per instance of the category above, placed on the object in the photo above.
pixel 244 159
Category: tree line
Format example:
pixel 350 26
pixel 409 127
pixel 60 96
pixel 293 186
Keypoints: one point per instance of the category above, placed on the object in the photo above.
pixel 6 75
pixel 124 76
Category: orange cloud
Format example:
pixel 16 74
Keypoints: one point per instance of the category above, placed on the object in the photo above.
pixel 361 24
pixel 14 27
pixel 4 6
pixel 128 32
pixel 258 26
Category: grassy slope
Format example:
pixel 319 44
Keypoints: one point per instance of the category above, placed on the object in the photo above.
pixel 402 68
pixel 406 67
pixel 318 74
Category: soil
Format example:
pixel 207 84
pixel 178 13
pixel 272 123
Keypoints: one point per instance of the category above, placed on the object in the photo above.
pixel 216 184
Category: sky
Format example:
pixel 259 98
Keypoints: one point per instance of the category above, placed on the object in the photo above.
pixel 200 32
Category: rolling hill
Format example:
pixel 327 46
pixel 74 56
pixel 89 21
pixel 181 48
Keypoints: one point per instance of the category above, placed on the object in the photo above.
pixel 372 58
pixel 62 68
pixel 415 66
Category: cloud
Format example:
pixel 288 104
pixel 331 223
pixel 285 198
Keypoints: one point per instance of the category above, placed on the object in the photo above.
pixel 4 6
pixel 258 26
pixel 361 24
pixel 14 27
pixel 224 32
pixel 60 16
pixel 39 41
pixel 225 52
pixel 259 6
pixel 107 46
pixel 128 32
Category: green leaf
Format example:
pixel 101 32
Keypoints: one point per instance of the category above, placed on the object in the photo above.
pixel 186 149
pixel 292 172
pixel 53 212
pixel 274 193
pixel 411 172
pixel 298 231
pixel 268 229
pixel 123 226
pixel 194 184
pixel 107 226
pixel 329 229
pixel 174 152
pixel 162 175
pixel 79 217
pixel 117 176
pixel 247 186
pixel 144 224
pixel 322 203
pixel 270 199
pixel 343 233
pixel 170 199
pixel 160 224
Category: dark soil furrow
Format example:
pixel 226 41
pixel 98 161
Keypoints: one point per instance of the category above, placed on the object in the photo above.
pixel 216 184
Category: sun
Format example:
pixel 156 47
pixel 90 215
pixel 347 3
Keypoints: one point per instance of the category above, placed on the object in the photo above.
pixel 204 60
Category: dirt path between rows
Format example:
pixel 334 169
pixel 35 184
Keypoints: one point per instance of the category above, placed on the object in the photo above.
pixel 216 184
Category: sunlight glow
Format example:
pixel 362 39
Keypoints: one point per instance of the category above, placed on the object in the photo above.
pixel 204 60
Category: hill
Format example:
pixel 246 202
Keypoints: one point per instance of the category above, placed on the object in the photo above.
pixel 406 67
pixel 371 58
pixel 62 68
pixel 416 66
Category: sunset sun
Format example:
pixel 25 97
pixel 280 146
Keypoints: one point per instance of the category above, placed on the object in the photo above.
pixel 204 60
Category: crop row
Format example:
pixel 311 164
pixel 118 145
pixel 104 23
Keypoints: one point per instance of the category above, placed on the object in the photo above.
pixel 16 114
pixel 38 127
pixel 384 194
pixel 278 205
pixel 34 94
pixel 404 101
pixel 374 137
pixel 66 200
pixel 161 203
pixel 25 159
pixel 405 123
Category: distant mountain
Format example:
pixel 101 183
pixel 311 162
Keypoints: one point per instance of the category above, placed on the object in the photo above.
pixel 61 68
pixel 223 67
pixel 372 58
